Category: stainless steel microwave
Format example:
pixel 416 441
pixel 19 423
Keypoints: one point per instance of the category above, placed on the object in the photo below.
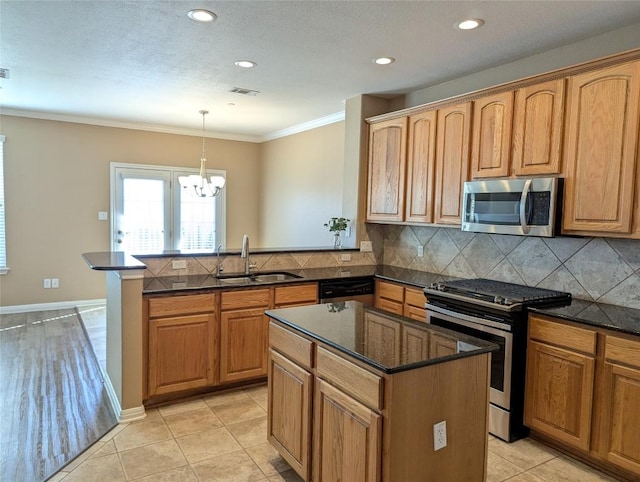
pixel 524 207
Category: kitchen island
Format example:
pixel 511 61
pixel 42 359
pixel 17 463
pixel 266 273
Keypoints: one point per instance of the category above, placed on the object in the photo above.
pixel 359 394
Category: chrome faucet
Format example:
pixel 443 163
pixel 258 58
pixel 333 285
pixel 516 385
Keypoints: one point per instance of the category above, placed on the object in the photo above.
pixel 245 253
pixel 219 268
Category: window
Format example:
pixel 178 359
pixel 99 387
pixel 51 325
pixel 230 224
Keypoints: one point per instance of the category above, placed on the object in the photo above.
pixel 3 239
pixel 151 213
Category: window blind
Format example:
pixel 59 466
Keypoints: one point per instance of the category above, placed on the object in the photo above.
pixel 3 242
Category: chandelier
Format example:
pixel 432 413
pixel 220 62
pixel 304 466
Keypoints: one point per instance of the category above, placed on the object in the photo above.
pixel 202 187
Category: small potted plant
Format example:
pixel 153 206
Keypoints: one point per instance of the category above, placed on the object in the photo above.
pixel 336 226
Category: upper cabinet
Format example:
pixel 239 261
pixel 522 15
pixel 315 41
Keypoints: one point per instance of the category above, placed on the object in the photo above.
pixel 452 161
pixel 537 128
pixel 601 172
pixel 387 164
pixel 491 149
pixel 420 167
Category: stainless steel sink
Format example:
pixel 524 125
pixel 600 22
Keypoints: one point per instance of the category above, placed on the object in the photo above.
pixel 241 279
pixel 266 278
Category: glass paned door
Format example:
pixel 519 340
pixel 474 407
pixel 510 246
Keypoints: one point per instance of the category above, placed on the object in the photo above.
pixel 142 211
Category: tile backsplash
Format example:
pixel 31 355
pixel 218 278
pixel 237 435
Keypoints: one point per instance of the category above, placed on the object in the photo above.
pixel 600 269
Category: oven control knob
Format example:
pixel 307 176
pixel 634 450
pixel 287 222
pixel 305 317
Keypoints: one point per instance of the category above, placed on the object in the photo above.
pixel 441 287
pixel 507 301
pixel 433 286
pixel 498 300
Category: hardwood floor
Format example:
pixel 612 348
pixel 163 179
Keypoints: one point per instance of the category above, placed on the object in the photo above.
pixel 53 404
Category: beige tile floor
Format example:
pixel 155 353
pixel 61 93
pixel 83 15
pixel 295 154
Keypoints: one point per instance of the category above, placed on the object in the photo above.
pixel 222 438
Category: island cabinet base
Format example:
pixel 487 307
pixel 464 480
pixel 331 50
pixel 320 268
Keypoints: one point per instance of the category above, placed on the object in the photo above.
pixel 336 418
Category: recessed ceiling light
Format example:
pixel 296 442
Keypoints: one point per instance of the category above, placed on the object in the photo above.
pixel 469 24
pixel 201 15
pixel 245 64
pixel 384 60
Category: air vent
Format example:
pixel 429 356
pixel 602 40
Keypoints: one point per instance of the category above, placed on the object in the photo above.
pixel 240 90
pixel 4 73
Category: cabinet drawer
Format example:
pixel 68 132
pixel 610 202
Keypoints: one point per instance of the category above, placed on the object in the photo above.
pixel 354 380
pixel 414 297
pixel 415 313
pixel 390 291
pixel 293 346
pixel 181 305
pixel 289 295
pixel 390 306
pixel 622 350
pixel 243 299
pixel 559 334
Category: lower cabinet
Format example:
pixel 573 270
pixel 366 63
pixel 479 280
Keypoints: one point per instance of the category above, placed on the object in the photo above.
pixel 289 424
pixel 583 391
pixel 243 344
pixel 347 437
pixel 400 299
pixel 620 435
pixel 333 419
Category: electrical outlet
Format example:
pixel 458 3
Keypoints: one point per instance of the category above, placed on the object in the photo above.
pixel 47 283
pixel 439 435
pixel 420 251
pixel 366 246
pixel 103 215
pixel 345 257
pixel 179 264
pixel 55 283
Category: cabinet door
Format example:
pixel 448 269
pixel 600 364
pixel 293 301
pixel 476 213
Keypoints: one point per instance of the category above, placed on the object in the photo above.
pixel 387 164
pixel 537 128
pixel 347 444
pixel 452 162
pixel 420 167
pixel 243 344
pixel 181 353
pixel 289 413
pixel 600 150
pixel 620 416
pixel 559 393
pixel 491 149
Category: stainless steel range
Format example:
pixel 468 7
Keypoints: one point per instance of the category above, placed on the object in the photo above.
pixel 494 311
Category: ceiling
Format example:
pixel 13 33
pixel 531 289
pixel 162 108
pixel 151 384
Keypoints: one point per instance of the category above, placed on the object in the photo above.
pixel 144 63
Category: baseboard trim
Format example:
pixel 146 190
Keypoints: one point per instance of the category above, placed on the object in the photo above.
pixel 58 305
pixel 124 416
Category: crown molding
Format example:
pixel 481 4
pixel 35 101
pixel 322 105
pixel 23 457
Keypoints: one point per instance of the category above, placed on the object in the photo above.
pixel 306 126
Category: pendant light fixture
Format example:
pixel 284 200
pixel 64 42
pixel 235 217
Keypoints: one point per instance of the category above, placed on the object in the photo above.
pixel 202 187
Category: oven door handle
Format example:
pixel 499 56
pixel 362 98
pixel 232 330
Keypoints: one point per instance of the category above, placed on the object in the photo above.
pixel 523 203
pixel 493 327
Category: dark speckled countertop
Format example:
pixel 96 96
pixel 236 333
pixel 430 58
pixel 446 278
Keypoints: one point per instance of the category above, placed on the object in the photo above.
pixel 343 326
pixel 600 315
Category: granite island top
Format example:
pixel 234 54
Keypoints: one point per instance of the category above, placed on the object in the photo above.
pixel 600 315
pixel 343 326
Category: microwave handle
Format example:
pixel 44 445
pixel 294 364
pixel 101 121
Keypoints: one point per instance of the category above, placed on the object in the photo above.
pixel 523 202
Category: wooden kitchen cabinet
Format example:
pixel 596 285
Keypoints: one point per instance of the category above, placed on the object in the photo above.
pixel 491 145
pixel 620 432
pixel 452 162
pixel 420 167
pixel 297 295
pixel 560 381
pixel 181 351
pixel 583 392
pixel 243 334
pixel 382 339
pixel 538 121
pixel 290 408
pixel 387 170
pixel 601 173
pixel 401 300
pixel 346 437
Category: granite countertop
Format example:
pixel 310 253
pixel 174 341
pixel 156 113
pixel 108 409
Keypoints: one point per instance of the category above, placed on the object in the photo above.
pixel 112 261
pixel 343 326
pixel 600 315
pixel 167 284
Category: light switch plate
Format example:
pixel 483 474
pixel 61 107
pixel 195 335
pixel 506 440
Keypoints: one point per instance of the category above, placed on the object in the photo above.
pixel 366 246
pixel 179 264
pixel 103 215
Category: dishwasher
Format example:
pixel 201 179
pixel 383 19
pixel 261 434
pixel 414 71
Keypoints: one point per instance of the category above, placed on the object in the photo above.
pixel 358 289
